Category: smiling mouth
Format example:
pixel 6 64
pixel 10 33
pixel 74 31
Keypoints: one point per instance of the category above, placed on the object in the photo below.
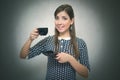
pixel 61 27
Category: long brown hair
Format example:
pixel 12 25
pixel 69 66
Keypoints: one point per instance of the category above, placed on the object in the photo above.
pixel 68 9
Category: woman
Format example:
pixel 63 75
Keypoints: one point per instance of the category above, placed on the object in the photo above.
pixel 70 51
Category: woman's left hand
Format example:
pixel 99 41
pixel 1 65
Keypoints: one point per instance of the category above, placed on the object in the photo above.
pixel 63 57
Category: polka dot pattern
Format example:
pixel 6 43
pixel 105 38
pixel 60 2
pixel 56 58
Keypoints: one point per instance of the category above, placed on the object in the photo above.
pixel 56 70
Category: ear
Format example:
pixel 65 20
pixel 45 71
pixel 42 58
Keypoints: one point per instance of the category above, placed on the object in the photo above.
pixel 72 21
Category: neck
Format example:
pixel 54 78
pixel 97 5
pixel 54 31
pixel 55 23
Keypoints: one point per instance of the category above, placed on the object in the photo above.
pixel 64 35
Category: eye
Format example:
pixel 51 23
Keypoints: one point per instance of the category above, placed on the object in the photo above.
pixel 65 18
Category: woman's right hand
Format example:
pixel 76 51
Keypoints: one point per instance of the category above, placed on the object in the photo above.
pixel 34 34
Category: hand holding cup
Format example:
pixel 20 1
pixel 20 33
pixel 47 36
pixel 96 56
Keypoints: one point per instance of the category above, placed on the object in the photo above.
pixel 34 34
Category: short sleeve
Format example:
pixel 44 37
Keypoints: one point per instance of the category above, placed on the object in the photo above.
pixel 83 57
pixel 37 49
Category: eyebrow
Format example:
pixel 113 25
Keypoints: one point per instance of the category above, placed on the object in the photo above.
pixel 62 16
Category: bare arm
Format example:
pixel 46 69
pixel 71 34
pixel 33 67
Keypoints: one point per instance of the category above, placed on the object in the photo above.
pixel 25 49
pixel 64 57
pixel 82 70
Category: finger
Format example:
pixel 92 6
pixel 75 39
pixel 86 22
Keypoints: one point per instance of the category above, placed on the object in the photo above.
pixel 60 61
pixel 58 58
pixel 33 37
pixel 36 34
pixel 58 54
pixel 36 30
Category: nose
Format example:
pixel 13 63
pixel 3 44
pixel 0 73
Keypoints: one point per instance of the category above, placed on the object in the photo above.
pixel 59 21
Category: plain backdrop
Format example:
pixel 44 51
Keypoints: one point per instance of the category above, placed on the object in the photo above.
pixel 97 22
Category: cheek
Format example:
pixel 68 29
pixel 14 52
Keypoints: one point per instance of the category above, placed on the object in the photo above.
pixel 68 24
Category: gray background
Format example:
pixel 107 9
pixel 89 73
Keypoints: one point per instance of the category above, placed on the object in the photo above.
pixel 97 22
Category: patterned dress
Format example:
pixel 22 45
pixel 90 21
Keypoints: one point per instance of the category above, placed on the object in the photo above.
pixel 56 70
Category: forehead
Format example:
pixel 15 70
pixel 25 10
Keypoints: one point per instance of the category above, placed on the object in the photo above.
pixel 62 13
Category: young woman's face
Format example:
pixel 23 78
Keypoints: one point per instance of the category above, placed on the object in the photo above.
pixel 63 22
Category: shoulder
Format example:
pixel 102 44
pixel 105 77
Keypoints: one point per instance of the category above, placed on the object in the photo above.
pixel 80 40
pixel 81 43
pixel 49 38
pixel 46 40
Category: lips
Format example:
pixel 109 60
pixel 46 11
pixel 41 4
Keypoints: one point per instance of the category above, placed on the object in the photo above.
pixel 60 27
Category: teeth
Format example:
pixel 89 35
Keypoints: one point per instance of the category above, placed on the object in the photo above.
pixel 61 27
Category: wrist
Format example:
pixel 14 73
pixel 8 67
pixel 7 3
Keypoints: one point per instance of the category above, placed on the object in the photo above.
pixel 29 40
pixel 71 58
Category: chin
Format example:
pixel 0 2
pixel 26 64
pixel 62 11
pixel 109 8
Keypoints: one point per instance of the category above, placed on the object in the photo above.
pixel 60 31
